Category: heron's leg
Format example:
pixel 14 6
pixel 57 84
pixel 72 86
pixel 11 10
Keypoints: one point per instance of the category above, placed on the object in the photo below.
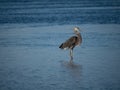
pixel 71 54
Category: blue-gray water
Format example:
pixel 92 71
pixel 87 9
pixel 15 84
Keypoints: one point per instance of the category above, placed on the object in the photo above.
pixel 31 32
pixel 60 11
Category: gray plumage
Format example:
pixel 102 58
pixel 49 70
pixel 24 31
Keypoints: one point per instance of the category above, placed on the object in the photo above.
pixel 72 42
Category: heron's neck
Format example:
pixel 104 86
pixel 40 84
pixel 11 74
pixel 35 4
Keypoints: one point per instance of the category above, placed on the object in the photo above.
pixel 78 35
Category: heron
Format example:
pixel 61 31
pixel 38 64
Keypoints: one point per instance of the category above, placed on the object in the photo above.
pixel 72 42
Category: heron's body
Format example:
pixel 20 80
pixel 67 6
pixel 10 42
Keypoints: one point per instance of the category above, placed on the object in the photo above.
pixel 72 42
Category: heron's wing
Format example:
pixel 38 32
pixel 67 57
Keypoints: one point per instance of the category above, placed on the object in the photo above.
pixel 70 43
pixel 72 40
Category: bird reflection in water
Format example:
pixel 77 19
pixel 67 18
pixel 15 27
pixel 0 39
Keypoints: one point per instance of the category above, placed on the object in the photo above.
pixel 74 69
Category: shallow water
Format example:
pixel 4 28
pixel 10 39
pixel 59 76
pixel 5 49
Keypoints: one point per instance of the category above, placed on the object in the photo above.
pixel 30 58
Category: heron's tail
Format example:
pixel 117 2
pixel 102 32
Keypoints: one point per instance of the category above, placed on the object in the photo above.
pixel 61 46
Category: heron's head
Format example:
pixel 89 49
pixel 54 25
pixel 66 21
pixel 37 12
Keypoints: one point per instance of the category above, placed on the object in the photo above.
pixel 76 30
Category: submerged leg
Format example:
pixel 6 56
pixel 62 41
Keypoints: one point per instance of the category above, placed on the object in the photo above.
pixel 71 54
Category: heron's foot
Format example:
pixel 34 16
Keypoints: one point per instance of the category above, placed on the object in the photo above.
pixel 71 61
